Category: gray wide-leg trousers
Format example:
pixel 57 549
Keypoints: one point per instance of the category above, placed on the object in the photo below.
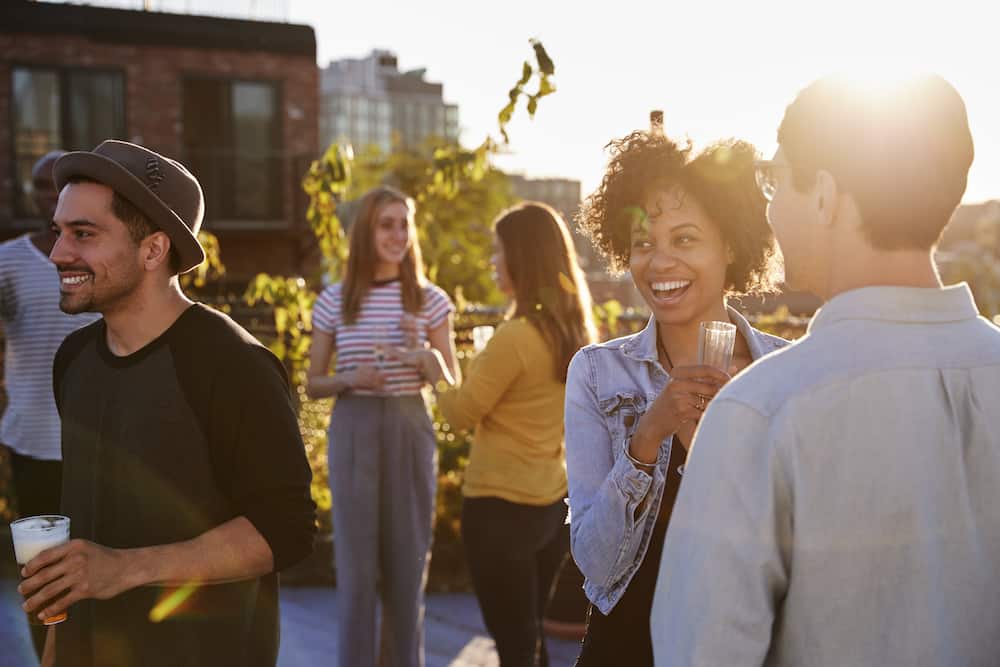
pixel 383 480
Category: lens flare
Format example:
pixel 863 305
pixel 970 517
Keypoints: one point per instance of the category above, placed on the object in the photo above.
pixel 168 605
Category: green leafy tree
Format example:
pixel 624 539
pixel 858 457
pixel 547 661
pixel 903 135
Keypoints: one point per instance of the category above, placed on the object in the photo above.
pixel 458 193
pixel 209 271
pixel 453 222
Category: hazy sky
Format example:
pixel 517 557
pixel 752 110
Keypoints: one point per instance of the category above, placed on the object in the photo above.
pixel 716 68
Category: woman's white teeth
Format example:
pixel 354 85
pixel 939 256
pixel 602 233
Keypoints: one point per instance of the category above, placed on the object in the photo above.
pixel 74 280
pixel 669 285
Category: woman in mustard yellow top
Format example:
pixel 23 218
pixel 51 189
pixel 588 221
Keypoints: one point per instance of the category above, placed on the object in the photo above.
pixel 512 395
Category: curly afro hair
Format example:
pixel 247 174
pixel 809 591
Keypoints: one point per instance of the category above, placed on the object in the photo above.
pixel 720 178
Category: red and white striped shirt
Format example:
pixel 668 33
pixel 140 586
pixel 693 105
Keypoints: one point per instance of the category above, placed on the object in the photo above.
pixel 378 326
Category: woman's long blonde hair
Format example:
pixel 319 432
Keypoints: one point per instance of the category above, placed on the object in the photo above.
pixel 362 258
pixel 549 287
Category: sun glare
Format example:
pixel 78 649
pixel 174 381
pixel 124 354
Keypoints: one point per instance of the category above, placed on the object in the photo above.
pixel 878 76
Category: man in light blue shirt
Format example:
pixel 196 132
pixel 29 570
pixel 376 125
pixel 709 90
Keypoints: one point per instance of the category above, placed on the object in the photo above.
pixel 840 505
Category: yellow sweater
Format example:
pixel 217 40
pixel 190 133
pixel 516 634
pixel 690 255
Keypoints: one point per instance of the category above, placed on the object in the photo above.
pixel 515 402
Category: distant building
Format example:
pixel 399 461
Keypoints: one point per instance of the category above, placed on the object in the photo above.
pixel 563 194
pixel 367 101
pixel 236 101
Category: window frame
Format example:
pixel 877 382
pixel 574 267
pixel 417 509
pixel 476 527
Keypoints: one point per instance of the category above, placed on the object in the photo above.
pixel 283 220
pixel 20 219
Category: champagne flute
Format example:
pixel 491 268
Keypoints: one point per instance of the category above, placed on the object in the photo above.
pixel 715 344
pixel 381 334
pixel 480 337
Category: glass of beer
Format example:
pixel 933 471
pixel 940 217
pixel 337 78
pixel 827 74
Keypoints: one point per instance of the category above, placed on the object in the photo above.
pixel 33 535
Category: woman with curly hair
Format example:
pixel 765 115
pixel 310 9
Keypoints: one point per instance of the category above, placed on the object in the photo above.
pixel 691 231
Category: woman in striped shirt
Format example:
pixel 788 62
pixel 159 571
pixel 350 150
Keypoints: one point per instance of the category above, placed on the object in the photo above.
pixel 382 453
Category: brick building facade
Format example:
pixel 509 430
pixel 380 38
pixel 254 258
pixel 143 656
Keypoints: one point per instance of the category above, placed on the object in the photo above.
pixel 236 101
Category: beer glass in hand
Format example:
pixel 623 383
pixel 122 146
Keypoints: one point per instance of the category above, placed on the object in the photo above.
pixel 33 535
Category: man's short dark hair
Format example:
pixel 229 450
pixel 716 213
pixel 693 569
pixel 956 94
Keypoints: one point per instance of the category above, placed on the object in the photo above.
pixel 138 223
pixel 903 150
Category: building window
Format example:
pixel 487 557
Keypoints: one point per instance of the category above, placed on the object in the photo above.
pixel 67 108
pixel 451 121
pixel 232 142
pixel 440 129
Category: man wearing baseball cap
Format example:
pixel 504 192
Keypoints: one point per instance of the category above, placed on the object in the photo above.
pixel 185 477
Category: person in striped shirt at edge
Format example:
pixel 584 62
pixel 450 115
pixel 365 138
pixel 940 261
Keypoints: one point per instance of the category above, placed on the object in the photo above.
pixel 382 450
pixel 34 327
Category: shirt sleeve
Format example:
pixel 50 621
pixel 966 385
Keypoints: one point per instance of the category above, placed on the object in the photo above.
pixel 67 352
pixel 726 559
pixel 262 463
pixel 326 310
pixel 438 307
pixel 486 380
pixel 8 304
pixel 606 491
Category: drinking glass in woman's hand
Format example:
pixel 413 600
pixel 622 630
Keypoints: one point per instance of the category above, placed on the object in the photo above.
pixel 715 344
pixel 481 335
pixel 411 330
pixel 381 342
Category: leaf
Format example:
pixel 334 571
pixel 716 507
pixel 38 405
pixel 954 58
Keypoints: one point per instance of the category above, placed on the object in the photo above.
pixel 280 319
pixel 532 105
pixel 545 87
pixel 526 72
pixel 505 115
pixel 566 283
pixel 545 64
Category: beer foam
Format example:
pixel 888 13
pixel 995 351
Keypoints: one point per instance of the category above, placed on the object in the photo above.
pixel 34 535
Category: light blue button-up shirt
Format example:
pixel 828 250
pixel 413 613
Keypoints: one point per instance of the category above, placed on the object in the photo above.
pixel 841 503
pixel 608 388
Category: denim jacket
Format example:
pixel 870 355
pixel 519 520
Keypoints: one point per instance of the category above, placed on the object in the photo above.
pixel 608 388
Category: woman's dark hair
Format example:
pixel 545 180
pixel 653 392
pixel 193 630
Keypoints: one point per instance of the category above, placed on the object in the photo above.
pixel 549 287
pixel 720 178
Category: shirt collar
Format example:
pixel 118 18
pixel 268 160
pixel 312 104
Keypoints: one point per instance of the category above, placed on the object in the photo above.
pixel 899 304
pixel 642 347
